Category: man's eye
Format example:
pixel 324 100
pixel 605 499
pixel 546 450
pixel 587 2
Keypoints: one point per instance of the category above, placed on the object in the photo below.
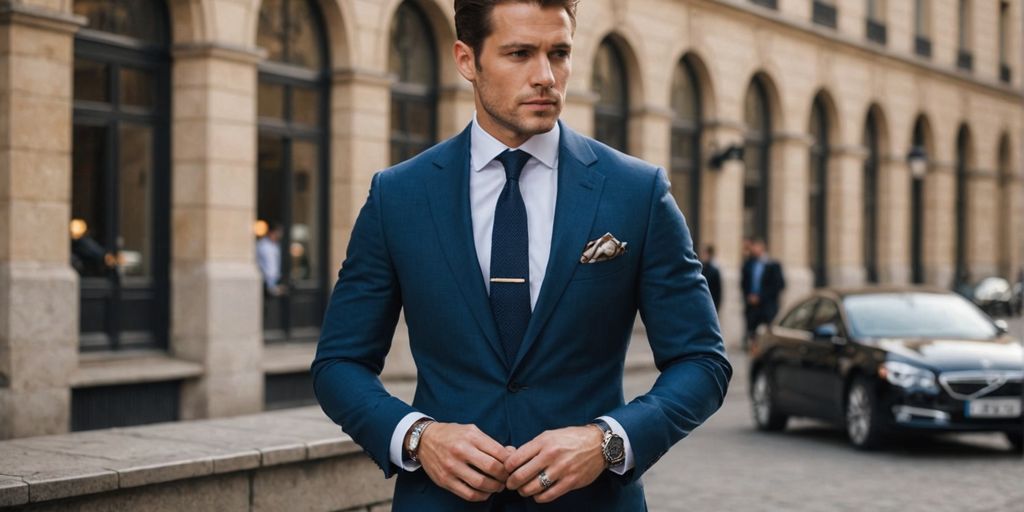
pixel 561 54
pixel 520 54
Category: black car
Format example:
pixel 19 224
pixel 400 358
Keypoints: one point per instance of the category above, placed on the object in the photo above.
pixel 883 361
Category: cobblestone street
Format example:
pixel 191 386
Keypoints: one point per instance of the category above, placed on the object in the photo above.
pixel 727 465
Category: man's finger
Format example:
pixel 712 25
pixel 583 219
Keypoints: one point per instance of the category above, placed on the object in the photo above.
pixel 488 465
pixel 554 492
pixel 526 475
pixel 477 480
pixel 523 454
pixel 491 447
pixel 460 489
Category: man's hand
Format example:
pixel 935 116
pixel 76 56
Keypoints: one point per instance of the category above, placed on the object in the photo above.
pixel 570 457
pixel 463 460
pixel 753 299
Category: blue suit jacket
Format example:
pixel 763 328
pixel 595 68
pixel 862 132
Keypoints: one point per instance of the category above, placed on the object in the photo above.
pixel 412 246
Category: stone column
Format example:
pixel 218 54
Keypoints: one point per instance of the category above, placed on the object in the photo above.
pixel 1013 218
pixel 38 288
pixel 722 223
pixel 360 135
pixel 939 224
pixel 216 295
pixel 894 217
pixel 578 111
pixel 845 222
pixel 787 230
pixel 982 224
pixel 650 129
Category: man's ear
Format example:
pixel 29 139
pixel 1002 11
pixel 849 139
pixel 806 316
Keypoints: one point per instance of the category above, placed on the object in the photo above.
pixel 465 60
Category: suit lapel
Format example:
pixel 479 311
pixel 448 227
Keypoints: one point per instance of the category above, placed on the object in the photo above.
pixel 448 194
pixel 579 191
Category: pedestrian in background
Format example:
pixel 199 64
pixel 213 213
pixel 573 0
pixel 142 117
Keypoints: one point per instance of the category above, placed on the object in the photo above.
pixel 762 282
pixel 713 275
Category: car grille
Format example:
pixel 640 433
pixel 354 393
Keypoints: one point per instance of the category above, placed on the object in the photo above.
pixel 974 384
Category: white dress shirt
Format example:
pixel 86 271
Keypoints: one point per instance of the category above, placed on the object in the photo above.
pixel 268 256
pixel 538 184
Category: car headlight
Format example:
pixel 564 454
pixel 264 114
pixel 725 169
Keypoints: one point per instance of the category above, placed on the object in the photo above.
pixel 908 376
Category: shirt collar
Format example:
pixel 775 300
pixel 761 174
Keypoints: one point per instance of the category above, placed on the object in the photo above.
pixel 483 147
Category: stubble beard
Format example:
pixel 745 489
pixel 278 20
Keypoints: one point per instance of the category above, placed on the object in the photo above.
pixel 520 126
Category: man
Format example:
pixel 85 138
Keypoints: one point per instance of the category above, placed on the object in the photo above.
pixel 521 253
pixel 762 282
pixel 268 257
pixel 712 274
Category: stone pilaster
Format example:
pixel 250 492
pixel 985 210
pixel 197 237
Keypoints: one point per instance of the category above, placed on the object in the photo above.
pixel 215 285
pixel 722 223
pixel 894 217
pixel 845 218
pixel 983 222
pixel 939 222
pixel 38 288
pixel 649 135
pixel 788 210
pixel 578 111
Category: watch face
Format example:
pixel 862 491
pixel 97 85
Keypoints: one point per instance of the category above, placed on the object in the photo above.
pixel 615 451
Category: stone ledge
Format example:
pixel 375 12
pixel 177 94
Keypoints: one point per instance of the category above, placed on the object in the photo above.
pixel 103 369
pixel 281 358
pixel 41 469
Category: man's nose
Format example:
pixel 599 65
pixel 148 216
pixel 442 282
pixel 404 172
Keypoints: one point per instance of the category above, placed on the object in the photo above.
pixel 543 76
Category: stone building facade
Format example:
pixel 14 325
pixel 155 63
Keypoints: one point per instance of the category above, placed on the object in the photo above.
pixel 865 140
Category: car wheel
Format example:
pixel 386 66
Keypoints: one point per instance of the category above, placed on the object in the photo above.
pixel 762 401
pixel 1016 440
pixel 862 415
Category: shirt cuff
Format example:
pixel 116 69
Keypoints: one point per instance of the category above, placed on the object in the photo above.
pixel 397 451
pixel 628 463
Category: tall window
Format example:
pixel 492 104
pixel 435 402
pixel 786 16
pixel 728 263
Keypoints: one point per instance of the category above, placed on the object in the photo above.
pixel 757 157
pixel 823 12
pixel 413 65
pixel 875 24
pixel 965 35
pixel 963 150
pixel 292 169
pixel 922 28
pixel 611 114
pixel 920 149
pixel 817 218
pixel 870 203
pixel 1004 41
pixel 686 159
pixel 119 224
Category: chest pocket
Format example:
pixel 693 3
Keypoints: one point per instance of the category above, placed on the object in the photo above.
pixel 602 270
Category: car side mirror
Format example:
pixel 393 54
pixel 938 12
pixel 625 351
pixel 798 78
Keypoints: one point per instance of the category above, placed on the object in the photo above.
pixel 1002 326
pixel 829 333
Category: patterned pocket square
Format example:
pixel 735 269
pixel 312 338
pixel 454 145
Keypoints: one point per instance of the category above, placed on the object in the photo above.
pixel 602 249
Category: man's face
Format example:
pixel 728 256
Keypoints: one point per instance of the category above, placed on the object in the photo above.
pixel 524 66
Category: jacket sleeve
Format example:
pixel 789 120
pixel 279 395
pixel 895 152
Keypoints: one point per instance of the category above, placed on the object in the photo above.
pixel 356 336
pixel 682 328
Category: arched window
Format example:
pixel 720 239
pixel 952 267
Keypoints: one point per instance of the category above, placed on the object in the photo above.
pixel 963 150
pixel 121 174
pixel 872 164
pixel 918 157
pixel 611 114
pixel 757 157
pixel 292 169
pixel 685 142
pixel 413 65
pixel 817 213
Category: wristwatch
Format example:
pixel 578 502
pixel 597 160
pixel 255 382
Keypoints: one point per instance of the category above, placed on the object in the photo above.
pixel 612 447
pixel 412 445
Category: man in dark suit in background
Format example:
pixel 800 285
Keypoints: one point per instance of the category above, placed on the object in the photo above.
pixel 762 283
pixel 712 275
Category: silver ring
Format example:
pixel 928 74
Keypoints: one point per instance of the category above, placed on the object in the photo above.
pixel 545 482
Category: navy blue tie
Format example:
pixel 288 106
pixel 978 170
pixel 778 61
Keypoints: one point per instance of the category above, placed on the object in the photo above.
pixel 510 258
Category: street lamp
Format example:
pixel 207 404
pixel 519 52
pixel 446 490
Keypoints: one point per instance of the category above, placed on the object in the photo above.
pixel 918 162
pixel 720 157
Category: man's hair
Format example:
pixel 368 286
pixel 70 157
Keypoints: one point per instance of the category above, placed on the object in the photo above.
pixel 473 19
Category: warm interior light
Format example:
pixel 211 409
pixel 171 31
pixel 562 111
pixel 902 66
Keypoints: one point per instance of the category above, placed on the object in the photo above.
pixel 78 228
pixel 260 228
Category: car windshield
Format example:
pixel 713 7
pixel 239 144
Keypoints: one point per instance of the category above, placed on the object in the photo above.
pixel 916 315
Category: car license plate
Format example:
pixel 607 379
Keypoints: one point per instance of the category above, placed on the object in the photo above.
pixel 994 408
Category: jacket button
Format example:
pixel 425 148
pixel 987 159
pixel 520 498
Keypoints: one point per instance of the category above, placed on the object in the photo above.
pixel 514 387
